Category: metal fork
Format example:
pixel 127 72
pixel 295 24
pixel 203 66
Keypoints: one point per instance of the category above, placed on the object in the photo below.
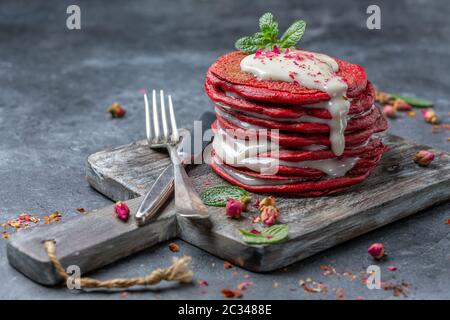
pixel 187 201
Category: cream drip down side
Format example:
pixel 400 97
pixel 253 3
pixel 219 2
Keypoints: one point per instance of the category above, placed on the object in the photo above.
pixel 313 71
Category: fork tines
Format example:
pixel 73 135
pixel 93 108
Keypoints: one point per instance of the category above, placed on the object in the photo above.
pixel 156 137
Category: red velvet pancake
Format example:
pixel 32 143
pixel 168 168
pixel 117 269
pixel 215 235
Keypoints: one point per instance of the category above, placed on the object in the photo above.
pixel 301 140
pixel 358 105
pixel 354 124
pixel 227 69
pixel 373 147
pixel 304 188
pixel 307 174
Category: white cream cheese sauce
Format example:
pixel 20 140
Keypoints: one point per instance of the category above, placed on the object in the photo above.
pixel 313 71
pixel 244 153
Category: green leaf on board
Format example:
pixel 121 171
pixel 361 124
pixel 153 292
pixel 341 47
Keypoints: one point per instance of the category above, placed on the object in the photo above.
pixel 217 196
pixel 270 235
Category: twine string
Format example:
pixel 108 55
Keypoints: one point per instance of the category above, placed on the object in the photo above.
pixel 178 271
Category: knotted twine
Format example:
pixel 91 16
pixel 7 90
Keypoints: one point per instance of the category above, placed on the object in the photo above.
pixel 178 271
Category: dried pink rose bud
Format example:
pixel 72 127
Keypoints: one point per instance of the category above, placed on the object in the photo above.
pixel 116 110
pixel 245 200
pixel 430 116
pixel 376 250
pixel 269 215
pixel 401 105
pixel 234 208
pixel 389 111
pixel 267 201
pixel 424 158
pixel 122 211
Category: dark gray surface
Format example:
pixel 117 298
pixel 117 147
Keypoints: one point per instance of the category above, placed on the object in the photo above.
pixel 55 85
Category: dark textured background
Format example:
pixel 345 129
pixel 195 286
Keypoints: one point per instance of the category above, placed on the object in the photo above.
pixel 55 85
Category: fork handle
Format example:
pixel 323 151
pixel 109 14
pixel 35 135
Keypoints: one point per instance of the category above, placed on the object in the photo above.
pixel 156 197
pixel 187 201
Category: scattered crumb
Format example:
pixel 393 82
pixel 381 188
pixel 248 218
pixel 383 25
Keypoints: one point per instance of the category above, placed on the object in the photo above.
pixel 202 283
pixel 227 293
pixel 392 268
pixel 339 293
pixel 243 285
pixel 397 289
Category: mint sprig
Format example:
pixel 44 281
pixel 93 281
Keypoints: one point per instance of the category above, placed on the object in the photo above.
pixel 267 37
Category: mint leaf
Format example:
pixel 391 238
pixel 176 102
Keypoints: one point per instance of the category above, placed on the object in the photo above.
pixel 217 196
pixel 251 44
pixel 268 26
pixel 270 235
pixel 293 34
pixel 247 44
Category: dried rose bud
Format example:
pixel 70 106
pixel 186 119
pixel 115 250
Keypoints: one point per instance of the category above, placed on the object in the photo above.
pixel 401 105
pixel 116 110
pixel 267 201
pixel 424 158
pixel 122 211
pixel 234 208
pixel 245 200
pixel 382 97
pixel 430 116
pixel 389 111
pixel 174 247
pixel 376 250
pixel 269 215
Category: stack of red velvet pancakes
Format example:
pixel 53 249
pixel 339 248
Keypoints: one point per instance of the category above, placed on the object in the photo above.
pixel 292 121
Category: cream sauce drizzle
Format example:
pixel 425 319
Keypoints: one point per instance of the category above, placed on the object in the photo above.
pixel 252 181
pixel 313 71
pixel 244 153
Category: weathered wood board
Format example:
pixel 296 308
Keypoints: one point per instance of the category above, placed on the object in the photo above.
pixel 397 188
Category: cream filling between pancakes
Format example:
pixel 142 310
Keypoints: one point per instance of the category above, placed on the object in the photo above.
pixel 303 118
pixel 244 153
pixel 313 71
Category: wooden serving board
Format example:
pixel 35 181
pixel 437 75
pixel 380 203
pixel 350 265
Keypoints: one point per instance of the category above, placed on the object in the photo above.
pixel 397 188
